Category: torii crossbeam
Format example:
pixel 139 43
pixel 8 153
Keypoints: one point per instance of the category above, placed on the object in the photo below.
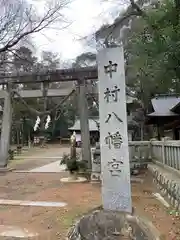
pixel 59 75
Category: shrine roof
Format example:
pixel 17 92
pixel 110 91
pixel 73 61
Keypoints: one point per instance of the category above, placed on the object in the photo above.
pixel 162 114
pixel 94 121
pixel 92 125
pixel 163 105
pixel 176 108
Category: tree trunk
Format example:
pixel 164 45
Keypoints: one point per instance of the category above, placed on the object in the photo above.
pixel 17 135
pixel 142 131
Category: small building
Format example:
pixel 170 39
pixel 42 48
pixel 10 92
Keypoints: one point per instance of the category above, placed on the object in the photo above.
pixel 93 129
pixel 165 117
pixel 94 122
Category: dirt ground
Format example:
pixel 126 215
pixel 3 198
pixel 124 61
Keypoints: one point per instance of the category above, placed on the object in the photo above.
pixel 50 223
pixel 53 223
pixel 147 206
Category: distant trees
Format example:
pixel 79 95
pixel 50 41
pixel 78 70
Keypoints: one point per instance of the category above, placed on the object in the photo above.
pixel 61 118
pixel 88 59
pixel 150 32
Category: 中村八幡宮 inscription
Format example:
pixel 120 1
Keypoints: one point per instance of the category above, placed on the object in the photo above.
pixel 109 69
pixel 111 94
pixel 114 140
pixel 115 167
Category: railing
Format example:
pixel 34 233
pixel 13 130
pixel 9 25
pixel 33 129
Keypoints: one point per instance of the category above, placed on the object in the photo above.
pixel 166 152
pixel 139 151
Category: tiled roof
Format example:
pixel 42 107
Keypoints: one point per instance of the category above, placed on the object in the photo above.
pixel 162 105
pixel 92 125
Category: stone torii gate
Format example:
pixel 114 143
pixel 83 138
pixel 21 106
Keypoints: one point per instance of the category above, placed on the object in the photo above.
pixel 80 75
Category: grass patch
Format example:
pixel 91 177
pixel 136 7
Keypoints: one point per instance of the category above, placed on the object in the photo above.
pixel 3 208
pixel 71 217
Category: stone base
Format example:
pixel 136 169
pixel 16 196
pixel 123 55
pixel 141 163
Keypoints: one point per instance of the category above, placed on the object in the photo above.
pixel 73 180
pixel 111 225
pixel 95 177
pixel 136 180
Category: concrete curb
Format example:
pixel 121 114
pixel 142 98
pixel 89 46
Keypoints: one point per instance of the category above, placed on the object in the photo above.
pixel 167 168
pixel 70 180
pixel 133 180
pixel 29 171
pixel 34 158
pixel 167 183
pixel 6 169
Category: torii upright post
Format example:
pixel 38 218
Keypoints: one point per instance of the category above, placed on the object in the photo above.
pixel 5 128
pixel 84 122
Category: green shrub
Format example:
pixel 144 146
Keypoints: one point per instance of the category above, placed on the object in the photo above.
pixel 11 154
pixel 74 165
pixel 19 149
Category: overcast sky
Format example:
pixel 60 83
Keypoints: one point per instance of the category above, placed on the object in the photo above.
pixel 86 16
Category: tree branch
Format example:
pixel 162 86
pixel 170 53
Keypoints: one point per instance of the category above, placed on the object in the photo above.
pixel 32 110
pixel 136 7
pixel 116 24
pixel 134 10
pixel 19 22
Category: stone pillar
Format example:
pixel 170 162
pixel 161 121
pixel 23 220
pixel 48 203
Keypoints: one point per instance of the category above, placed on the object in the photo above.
pixel 44 89
pixel 163 152
pixel 96 164
pixel 73 146
pixel 84 122
pixel 115 166
pixel 5 130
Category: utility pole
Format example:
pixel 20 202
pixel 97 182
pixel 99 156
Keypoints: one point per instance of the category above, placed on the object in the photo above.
pixel 84 122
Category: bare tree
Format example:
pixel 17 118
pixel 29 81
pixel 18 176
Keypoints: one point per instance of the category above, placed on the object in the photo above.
pixel 19 19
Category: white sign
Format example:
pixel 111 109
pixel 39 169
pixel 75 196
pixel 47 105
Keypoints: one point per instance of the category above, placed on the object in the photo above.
pixel 38 120
pixel 115 168
pixel 48 120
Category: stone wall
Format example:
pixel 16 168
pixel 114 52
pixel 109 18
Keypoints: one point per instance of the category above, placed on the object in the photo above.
pixel 163 159
pixel 168 183
pixel 139 155
pixel 166 152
